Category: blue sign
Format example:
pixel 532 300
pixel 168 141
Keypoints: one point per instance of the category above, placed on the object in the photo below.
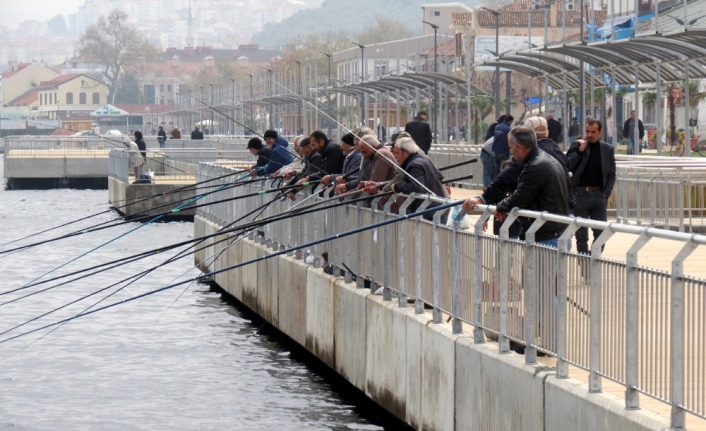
pixel 535 100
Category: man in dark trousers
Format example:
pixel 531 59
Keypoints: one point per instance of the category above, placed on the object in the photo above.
pixel 629 133
pixel 331 155
pixel 197 133
pixel 501 149
pixel 161 137
pixel 420 131
pixel 262 152
pixel 592 164
pixel 555 128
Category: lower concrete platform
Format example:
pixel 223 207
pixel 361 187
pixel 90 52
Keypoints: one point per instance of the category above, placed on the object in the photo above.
pixel 149 200
pixel 418 370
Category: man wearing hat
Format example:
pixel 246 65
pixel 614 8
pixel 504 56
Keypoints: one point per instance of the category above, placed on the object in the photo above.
pixel 279 157
pixel 350 163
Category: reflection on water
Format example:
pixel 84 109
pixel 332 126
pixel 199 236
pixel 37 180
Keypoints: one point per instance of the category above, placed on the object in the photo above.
pixel 152 364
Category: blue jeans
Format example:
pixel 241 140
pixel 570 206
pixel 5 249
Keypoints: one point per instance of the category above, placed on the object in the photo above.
pixel 554 242
pixel 489 172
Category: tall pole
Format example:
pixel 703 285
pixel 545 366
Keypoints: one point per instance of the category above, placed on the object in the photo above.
pixel 201 109
pixel 232 122
pixel 328 95
pixel 251 104
pixel 582 77
pixel 435 94
pixel 497 54
pixel 213 113
pixel 299 91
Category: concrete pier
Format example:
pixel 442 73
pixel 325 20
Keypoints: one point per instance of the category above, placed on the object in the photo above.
pixel 418 370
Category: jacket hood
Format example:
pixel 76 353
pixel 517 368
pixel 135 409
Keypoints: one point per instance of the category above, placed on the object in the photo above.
pixel 281 142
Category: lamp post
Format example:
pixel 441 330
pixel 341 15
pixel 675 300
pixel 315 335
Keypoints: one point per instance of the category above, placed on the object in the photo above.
pixel 232 81
pixel 201 109
pixel 436 70
pixel 363 74
pixel 328 96
pixel 162 109
pixel 496 14
pixel 271 82
pixel 299 92
pixel 213 113
pixel 251 99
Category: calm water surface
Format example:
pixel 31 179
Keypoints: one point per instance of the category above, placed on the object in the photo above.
pixel 152 364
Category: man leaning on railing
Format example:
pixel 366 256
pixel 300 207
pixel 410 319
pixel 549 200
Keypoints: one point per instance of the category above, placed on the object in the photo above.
pixel 541 186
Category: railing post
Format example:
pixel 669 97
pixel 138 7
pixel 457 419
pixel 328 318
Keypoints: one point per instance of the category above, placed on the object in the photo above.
pixel 530 280
pixel 478 333
pixel 402 299
pixel 349 277
pixel 373 240
pixel 359 282
pixel 562 269
pixel 504 281
pixel 418 302
pixel 456 325
pixel 632 316
pixel 435 276
pixel 386 293
pixel 676 337
pixel 595 383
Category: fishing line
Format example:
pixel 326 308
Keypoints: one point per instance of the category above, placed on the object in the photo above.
pixel 210 275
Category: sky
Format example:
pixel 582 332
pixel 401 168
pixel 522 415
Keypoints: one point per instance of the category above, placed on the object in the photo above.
pixel 14 11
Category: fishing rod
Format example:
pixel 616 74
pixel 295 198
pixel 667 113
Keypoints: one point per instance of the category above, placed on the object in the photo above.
pixel 123 220
pixel 456 165
pixel 131 279
pixel 127 233
pixel 177 190
pixel 210 275
pixel 227 229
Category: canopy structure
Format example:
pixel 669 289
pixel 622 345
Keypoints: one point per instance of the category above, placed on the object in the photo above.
pixel 109 111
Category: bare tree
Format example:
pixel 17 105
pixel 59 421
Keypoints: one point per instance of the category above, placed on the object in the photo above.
pixel 384 30
pixel 117 45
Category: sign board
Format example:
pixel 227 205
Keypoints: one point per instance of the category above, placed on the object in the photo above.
pixel 109 111
pixel 534 101
pixel 75 114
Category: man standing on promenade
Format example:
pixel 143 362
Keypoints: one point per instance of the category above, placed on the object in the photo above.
pixel 501 148
pixel 541 186
pixel 420 131
pixel 555 129
pixel 592 163
pixel 629 133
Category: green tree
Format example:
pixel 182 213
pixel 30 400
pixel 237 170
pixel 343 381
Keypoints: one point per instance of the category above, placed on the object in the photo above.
pixel 129 90
pixel 57 25
pixel 482 107
pixel 117 45
pixel 384 30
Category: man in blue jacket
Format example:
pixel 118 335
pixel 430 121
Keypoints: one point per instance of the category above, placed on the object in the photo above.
pixel 279 157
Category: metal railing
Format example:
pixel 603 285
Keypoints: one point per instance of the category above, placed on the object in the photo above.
pixel 445 155
pixel 637 326
pixel 176 164
pixel 57 146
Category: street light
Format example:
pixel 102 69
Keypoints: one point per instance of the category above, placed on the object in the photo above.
pixel 271 93
pixel 232 80
pixel 213 113
pixel 363 71
pixel 328 96
pixel 299 90
pixel 436 70
pixel 251 100
pixel 496 14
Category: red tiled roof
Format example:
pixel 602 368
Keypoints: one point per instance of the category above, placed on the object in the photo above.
pixel 515 15
pixel 59 80
pixel 461 18
pixel 25 99
pixel 20 68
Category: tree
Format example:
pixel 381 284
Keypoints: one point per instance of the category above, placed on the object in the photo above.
pixel 129 91
pixel 482 107
pixel 384 30
pixel 117 45
pixel 57 25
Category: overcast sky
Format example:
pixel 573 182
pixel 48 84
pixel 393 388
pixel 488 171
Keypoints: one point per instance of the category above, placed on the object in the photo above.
pixel 14 11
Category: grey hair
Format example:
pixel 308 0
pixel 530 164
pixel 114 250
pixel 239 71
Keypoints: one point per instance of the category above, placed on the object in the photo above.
pixel 296 140
pixel 408 145
pixel 371 140
pixel 363 131
pixel 523 136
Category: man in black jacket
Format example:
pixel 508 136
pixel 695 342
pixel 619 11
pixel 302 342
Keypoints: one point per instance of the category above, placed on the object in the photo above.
pixel 555 129
pixel 629 133
pixel 421 168
pixel 197 133
pixel 420 131
pixel 541 186
pixel 331 155
pixel 592 163
pixel 261 151
pixel 348 178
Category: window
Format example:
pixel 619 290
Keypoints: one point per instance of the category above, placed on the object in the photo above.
pixel 169 88
pixel 82 98
pixel 437 13
pixel 96 98
pixel 161 88
pixel 50 101
pixel 69 98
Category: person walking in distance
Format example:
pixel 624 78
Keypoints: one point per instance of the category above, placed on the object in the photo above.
pixel 501 149
pixel 592 164
pixel 629 133
pixel 574 130
pixel 420 131
pixel 161 137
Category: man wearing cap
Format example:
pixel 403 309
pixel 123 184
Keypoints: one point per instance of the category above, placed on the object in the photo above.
pixel 261 151
pixel 348 179
pixel 331 156
pixel 279 156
